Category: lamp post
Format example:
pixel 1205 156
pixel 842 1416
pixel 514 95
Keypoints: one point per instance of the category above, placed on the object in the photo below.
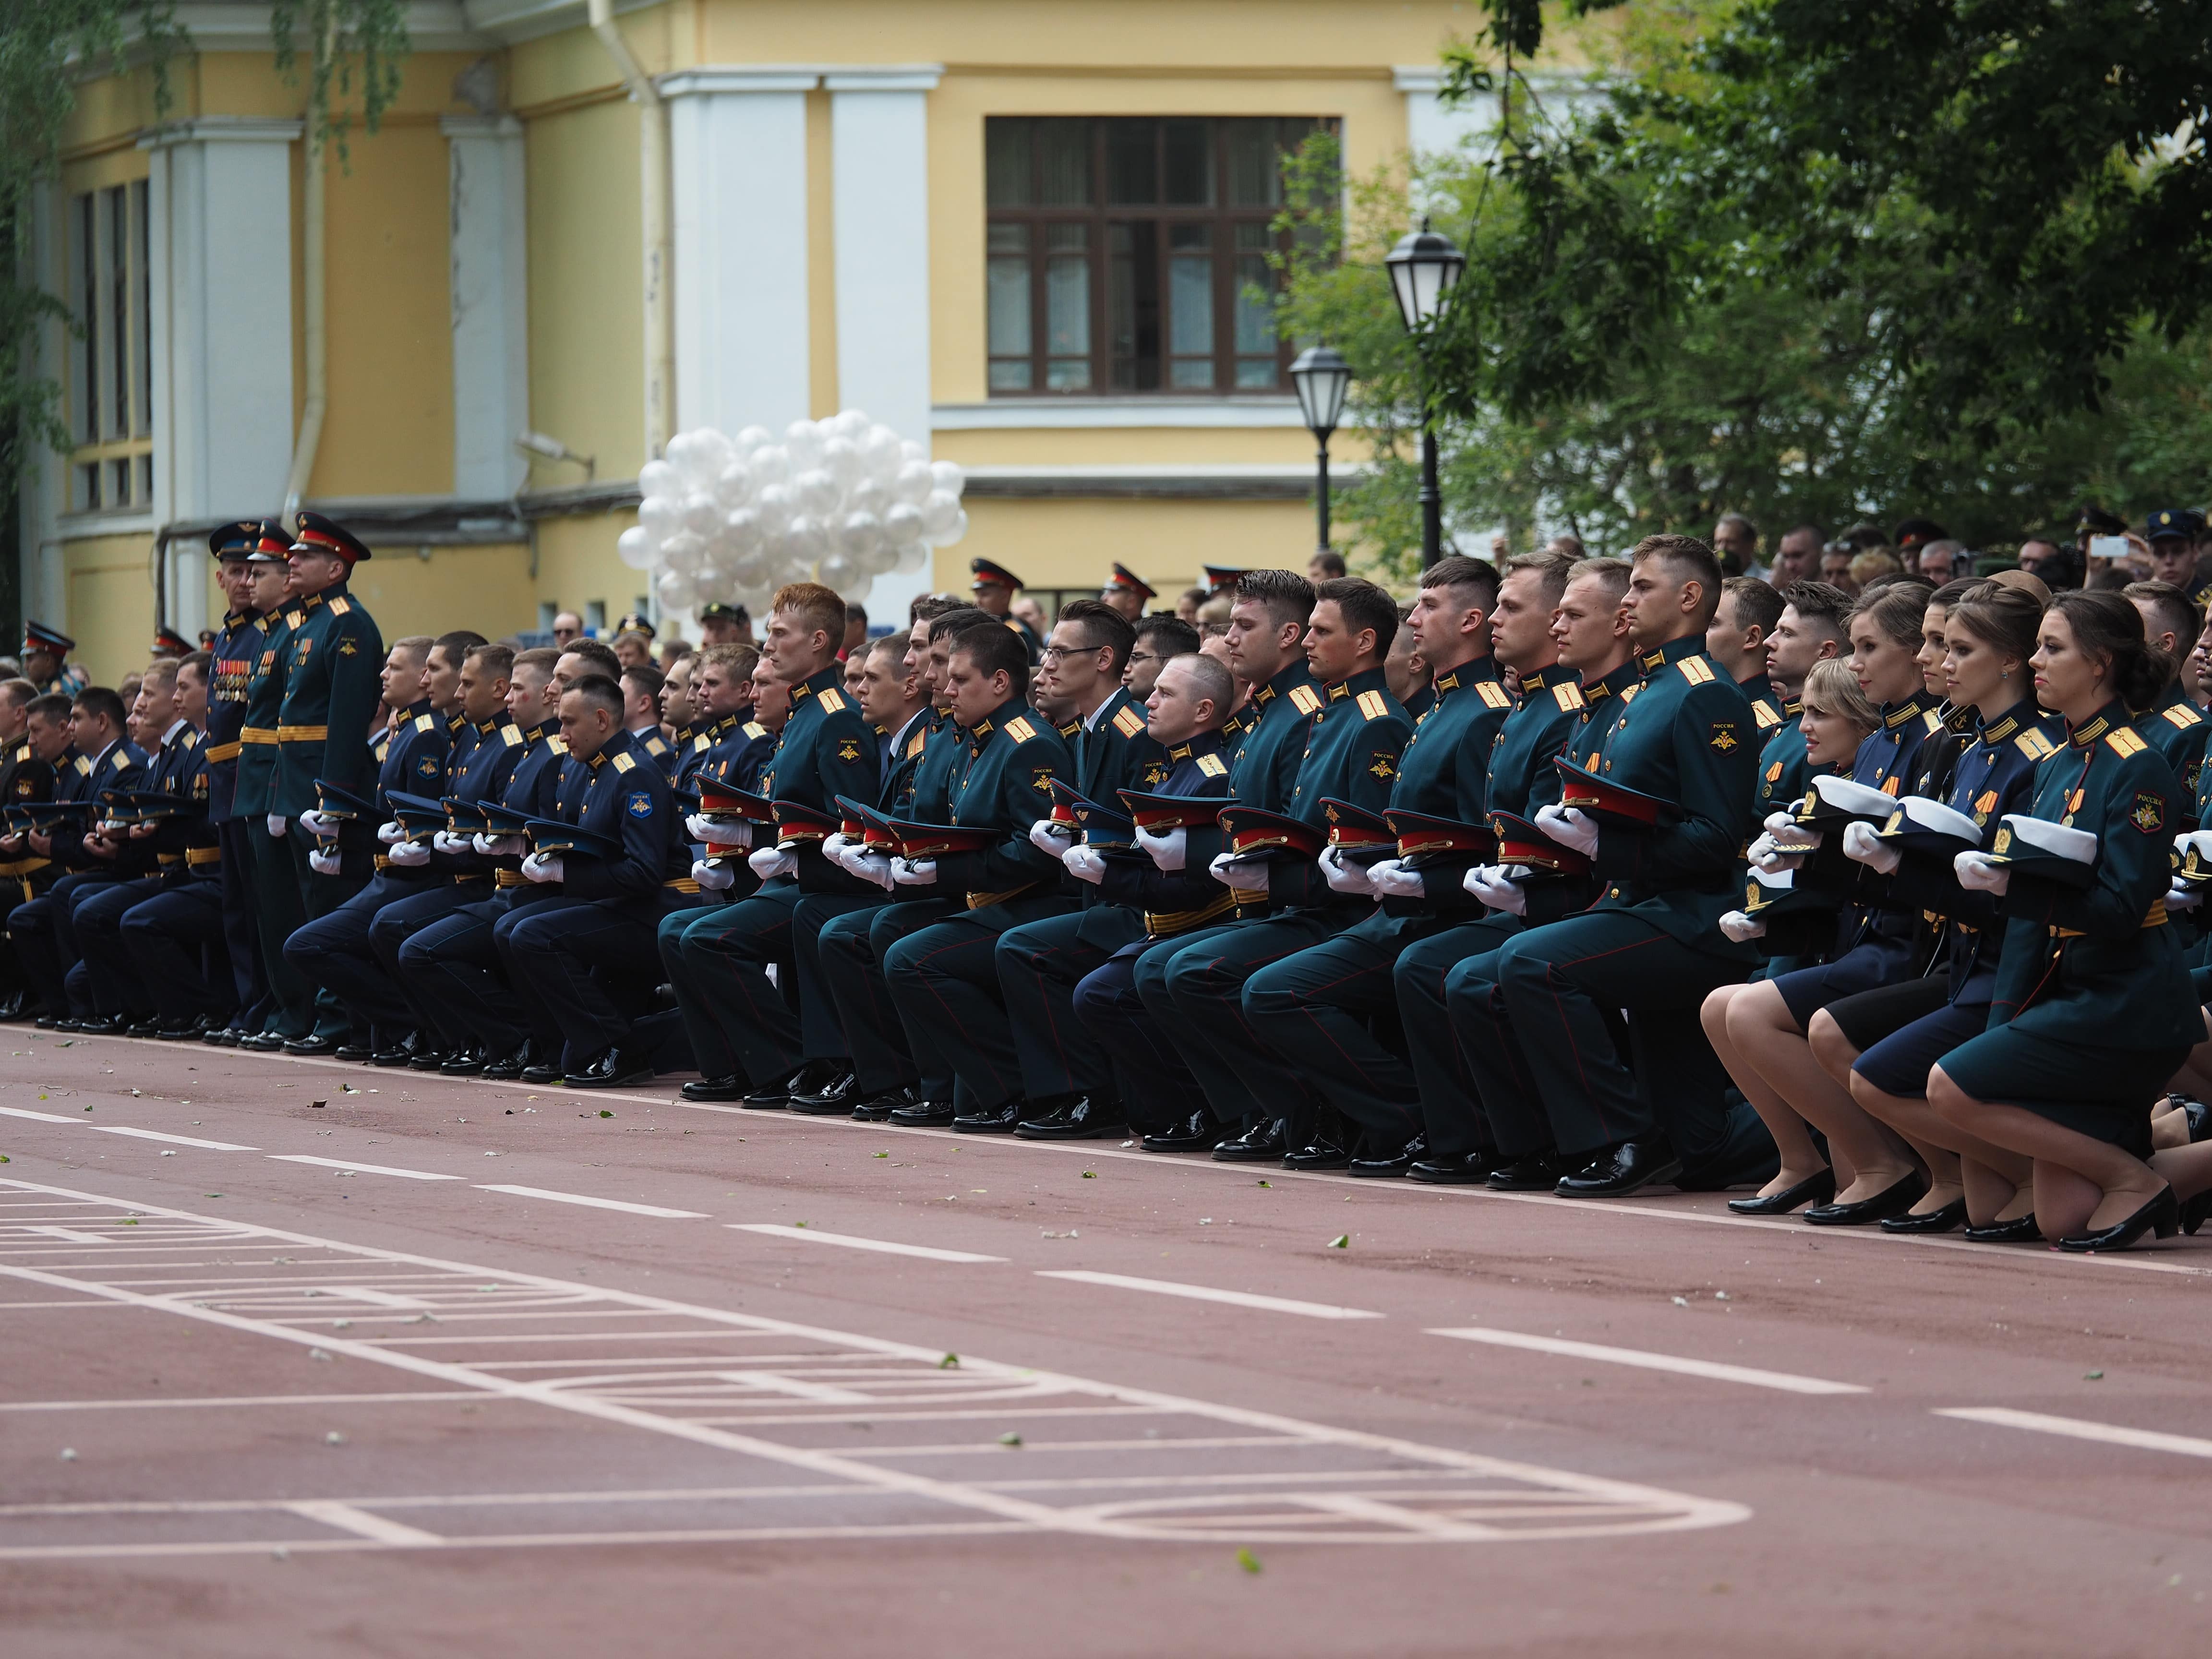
pixel 1424 269
pixel 1321 377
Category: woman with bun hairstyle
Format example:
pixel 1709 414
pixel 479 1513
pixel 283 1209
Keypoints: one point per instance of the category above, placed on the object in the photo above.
pixel 2093 1010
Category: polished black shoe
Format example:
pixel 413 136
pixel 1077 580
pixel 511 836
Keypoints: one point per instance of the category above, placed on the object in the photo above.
pixel 223 1036
pixel 2162 1217
pixel 1000 1120
pixel 2021 1230
pixel 1619 1171
pixel 714 1088
pixel 925 1115
pixel 1539 1172
pixel 1198 1133
pixel 264 1043
pixel 1948 1219
pixel 1816 1189
pixel 1263 1143
pixel 1385 1168
pixel 834 1099
pixel 877 1108
pixel 102 1025
pixel 48 1023
pixel 541 1071
pixel 1454 1169
pixel 426 1053
pixel 13 1008
pixel 149 1028
pixel 1891 1201
pixel 504 1068
pixel 399 1055
pixel 187 1030
pixel 1320 1155
pixel 462 1062
pixel 1071 1117
pixel 614 1069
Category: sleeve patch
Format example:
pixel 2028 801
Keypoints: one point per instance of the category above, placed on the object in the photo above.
pixel 1493 695
pixel 832 700
pixel 426 722
pixel 2125 743
pixel 1384 766
pixel 624 763
pixel 848 751
pixel 1569 698
pixel 1695 671
pixel 1372 705
pixel 428 766
pixel 2182 715
pixel 1304 699
pixel 1721 734
pixel 1212 766
pixel 1129 723
pixel 1041 779
pixel 640 803
pixel 1019 729
pixel 1765 714
pixel 2148 813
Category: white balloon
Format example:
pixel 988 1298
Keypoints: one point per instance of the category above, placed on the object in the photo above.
pixel 677 454
pixel 635 548
pixel 804 541
pixel 660 516
pixel 711 582
pixel 959 530
pixel 714 450
pixel 849 422
pixel 948 476
pixel 657 478
pixel 902 524
pixel 840 460
pixel 775 507
pixel 816 492
pixel 913 482
pixel 879 453
pixel 911 450
pixel 683 551
pixel 938 514
pixel 857 534
pixel 675 591
pixel 912 557
pixel 741 531
pixel 754 599
pixel 749 569
pixel 770 464
pixel 871 495
pixel 878 558
pixel 753 438
pixel 734 487
pixel 701 516
pixel 802 441
pixel 843 573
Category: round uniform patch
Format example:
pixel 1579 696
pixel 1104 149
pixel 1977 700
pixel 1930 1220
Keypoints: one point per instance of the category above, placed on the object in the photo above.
pixel 428 766
pixel 640 804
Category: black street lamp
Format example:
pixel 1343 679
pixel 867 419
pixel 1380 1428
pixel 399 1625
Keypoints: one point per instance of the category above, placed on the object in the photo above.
pixel 1424 269
pixel 1321 377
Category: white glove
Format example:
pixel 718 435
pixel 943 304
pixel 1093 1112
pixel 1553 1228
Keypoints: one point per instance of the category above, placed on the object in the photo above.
pixel 1569 826
pixel 1342 877
pixel 1770 857
pixel 277 825
pixel 718 832
pixel 1232 871
pixel 451 845
pixel 1495 885
pixel 1168 851
pixel 1740 927
pixel 713 877
pixel 1393 879
pixel 914 873
pixel 1050 837
pixel 1086 864
pixel 408 855
pixel 544 866
pixel 1789 834
pixel 872 867
pixel 494 847
pixel 1862 846
pixel 2183 898
pixel 391 834
pixel 770 862
pixel 320 823
pixel 324 860
pixel 1976 871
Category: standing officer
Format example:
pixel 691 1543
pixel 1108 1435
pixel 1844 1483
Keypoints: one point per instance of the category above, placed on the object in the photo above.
pixel 994 588
pixel 45 661
pixel 237 649
pixel 1651 945
pixel 1126 592
pixel 276 897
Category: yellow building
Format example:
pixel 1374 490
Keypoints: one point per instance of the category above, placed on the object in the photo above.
pixel 1022 232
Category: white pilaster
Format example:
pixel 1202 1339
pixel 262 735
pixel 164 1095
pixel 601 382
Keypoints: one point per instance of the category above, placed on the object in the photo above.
pixel 737 177
pixel 490 304
pixel 41 574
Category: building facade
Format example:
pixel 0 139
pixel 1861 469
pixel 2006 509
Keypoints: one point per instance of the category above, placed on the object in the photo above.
pixel 1030 235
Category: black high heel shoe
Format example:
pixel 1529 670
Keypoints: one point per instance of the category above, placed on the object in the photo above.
pixel 2196 1212
pixel 1894 1200
pixel 1942 1220
pixel 1816 1189
pixel 2021 1230
pixel 2162 1217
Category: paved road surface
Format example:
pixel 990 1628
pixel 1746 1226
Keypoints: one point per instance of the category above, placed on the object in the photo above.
pixel 305 1358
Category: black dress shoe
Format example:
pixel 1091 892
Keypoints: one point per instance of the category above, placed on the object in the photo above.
pixel 223 1036
pixel 1000 1120
pixel 312 1044
pixel 1072 1117
pixel 613 1068
pixel 2162 1217
pixel 507 1067
pixel 1198 1133
pixel 186 1030
pixel 428 1056
pixel 815 1076
pixel 462 1062
pixel 101 1025
pixel 399 1055
pixel 2021 1230
pixel 1385 1168
pixel 1628 1168
pixel 1263 1143
pixel 48 1023
pixel 926 1115
pixel 264 1043
pixel 877 1108
pixel 1539 1172
pixel 1455 1169
pixel 541 1071
pixel 1891 1201
pixel 1950 1216
pixel 714 1088
pixel 1816 1188
pixel 833 1100
pixel 148 1028
pixel 1320 1155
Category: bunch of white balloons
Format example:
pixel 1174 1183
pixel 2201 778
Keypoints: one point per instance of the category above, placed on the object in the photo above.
pixel 729 521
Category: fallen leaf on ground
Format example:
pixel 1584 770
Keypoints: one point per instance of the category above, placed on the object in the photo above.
pixel 1342 1242
pixel 1248 1561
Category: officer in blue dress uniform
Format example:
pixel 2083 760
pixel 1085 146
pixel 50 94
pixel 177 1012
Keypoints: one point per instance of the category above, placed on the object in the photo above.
pixel 2173 725
pixel 2172 533
pixel 45 661
pixel 238 645
pixel 995 587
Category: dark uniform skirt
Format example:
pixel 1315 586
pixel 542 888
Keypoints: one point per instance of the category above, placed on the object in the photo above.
pixel 2105 1093
pixel 1863 967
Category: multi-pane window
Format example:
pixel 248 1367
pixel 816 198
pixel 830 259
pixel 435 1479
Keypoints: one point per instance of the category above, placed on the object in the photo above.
pixel 1130 254
pixel 111 370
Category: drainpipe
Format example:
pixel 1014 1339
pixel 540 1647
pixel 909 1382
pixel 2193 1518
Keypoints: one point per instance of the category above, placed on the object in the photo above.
pixel 311 413
pixel 652 155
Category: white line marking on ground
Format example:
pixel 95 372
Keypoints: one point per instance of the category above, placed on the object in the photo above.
pixel 777 1229
pixel 71 1235
pixel 1785 1380
pixel 175 1140
pixel 377 1298
pixel 36 1117
pixel 360 1522
pixel 594 1203
pixel 517 1541
pixel 363 1169
pixel 1207 1293
pixel 404 1397
pixel 2109 1434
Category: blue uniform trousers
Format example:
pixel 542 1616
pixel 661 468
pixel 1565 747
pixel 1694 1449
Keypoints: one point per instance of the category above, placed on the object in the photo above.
pixel 45 943
pixel 178 944
pixel 945 983
pixel 592 965
pixel 1452 1121
pixel 741 1023
pixel 241 938
pixel 320 896
pixel 1039 966
pixel 458 964
pixel 851 951
pixel 104 979
pixel 278 910
pixel 397 922
pixel 332 953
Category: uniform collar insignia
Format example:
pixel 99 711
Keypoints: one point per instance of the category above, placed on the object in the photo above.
pixel 1536 678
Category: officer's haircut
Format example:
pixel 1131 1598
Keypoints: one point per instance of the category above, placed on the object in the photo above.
pixel 1737 521
pixel 49 705
pixel 1687 560
pixel 417 646
pixel 886 644
pixel 1170 636
pixel 202 660
pixel 1552 570
pixel 855 613
pixel 1897 611
pixel 1332 564
pixel 2177 613
pixel 740 659
pixel 1209 679
pixel 819 609
pixel 544 658
pixel 1612 573
pixel 928 607
pixel 457 644
pixel 2005 618
pixel 600 691
pixel 598 654
pixel 1103 628
pixel 645 678
pixel 20 693
pixel 1756 603
pixel 1820 605
pixel 1365 605
pixel 948 623
pixel 1952 592
pixel 496 660
pixel 161 673
pixel 102 703
pixel 994 647
pixel 1286 596
pixel 1832 689
pixel 1479 577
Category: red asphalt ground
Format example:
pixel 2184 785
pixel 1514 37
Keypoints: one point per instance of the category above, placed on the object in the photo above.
pixel 253 1402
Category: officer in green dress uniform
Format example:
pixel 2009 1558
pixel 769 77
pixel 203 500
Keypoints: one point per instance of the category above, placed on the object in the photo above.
pixel 2173 725
pixel 45 661
pixel 274 890
pixel 237 650
pixel 995 587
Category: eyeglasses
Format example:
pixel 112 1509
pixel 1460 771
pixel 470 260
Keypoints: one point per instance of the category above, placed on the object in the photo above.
pixel 1056 652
